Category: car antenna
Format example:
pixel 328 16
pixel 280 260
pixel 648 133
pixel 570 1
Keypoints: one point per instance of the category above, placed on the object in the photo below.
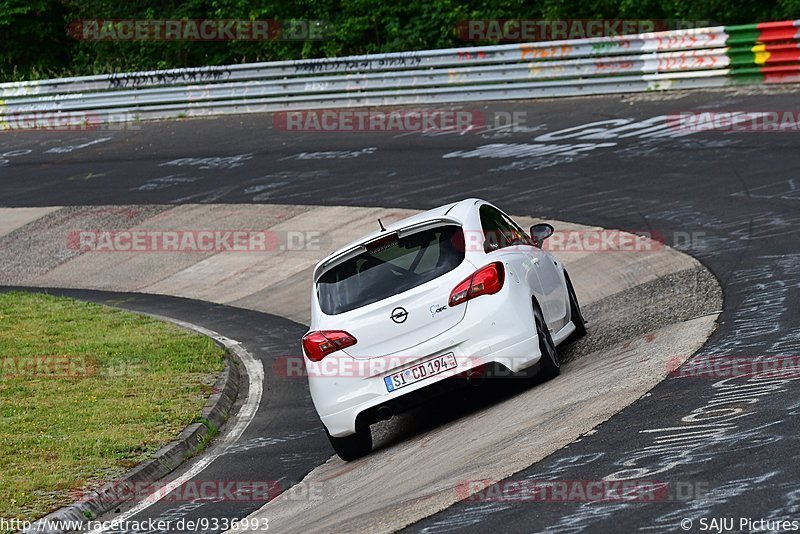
pixel 381 225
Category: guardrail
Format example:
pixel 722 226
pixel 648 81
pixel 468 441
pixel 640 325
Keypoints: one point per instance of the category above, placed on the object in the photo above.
pixel 698 58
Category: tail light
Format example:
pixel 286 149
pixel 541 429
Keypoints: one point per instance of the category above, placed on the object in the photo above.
pixel 320 343
pixel 485 281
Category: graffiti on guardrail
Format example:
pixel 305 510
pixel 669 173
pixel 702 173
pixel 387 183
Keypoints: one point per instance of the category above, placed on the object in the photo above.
pixel 613 66
pixel 545 52
pixel 689 40
pixel 189 75
pixel 609 45
pixel 690 61
pixel 407 59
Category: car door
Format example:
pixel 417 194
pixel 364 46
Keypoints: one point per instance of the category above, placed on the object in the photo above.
pixel 551 292
pixel 557 314
pixel 504 238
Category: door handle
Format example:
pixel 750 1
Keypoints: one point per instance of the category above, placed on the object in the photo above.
pixel 535 261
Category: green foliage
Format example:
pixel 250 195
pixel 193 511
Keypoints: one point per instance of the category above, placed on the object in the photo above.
pixel 110 388
pixel 34 41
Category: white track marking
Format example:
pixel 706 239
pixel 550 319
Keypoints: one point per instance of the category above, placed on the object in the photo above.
pixel 72 148
pixel 255 376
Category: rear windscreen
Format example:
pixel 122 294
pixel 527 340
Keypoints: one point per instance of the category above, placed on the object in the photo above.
pixel 390 266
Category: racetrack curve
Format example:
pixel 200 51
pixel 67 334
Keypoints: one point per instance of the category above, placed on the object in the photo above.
pixel 606 371
pixel 729 199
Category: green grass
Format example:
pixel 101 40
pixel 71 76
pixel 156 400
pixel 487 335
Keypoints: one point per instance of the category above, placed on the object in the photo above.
pixel 114 387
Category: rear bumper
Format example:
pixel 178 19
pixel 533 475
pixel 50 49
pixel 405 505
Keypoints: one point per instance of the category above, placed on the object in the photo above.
pixel 496 330
pixel 344 403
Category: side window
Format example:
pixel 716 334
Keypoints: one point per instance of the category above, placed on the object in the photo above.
pixel 499 231
pixel 520 237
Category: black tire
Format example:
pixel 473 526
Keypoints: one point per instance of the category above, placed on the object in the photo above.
pixel 354 446
pixel 575 313
pixel 550 363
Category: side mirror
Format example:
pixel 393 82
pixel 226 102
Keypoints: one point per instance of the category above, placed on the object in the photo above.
pixel 540 232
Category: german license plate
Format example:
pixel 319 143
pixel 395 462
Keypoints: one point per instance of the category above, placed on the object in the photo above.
pixel 420 371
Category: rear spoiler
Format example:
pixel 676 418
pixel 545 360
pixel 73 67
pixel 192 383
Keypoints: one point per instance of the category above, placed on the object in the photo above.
pixel 339 257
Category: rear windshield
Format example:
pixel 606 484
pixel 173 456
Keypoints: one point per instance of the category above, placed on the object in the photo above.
pixel 390 266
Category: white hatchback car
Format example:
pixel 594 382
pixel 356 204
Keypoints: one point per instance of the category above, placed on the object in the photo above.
pixel 444 294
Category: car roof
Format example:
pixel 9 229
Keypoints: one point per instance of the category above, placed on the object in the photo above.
pixel 455 211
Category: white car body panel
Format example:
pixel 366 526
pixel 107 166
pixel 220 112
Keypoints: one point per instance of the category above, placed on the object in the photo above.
pixel 489 328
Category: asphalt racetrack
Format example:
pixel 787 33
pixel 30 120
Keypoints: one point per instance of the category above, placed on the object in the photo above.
pixel 729 199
